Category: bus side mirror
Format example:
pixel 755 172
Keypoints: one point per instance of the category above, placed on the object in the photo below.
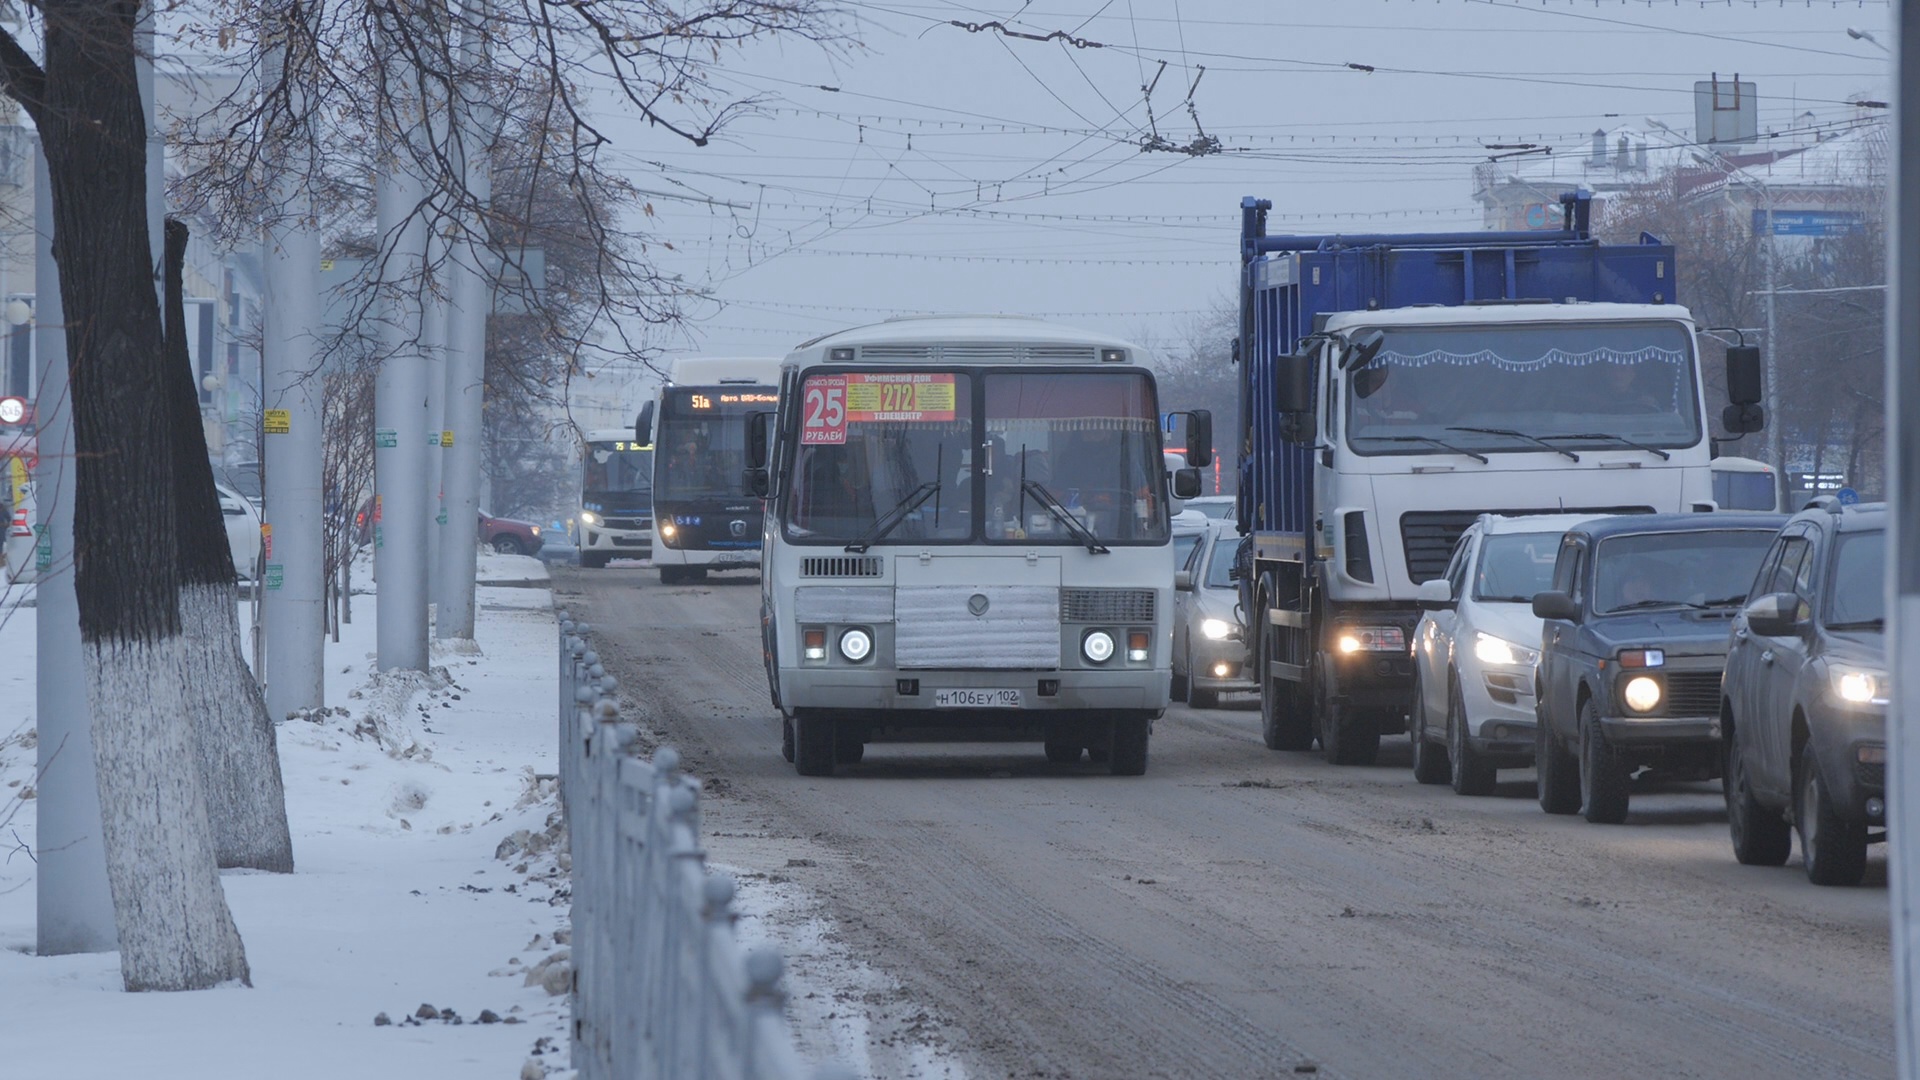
pixel 1199 438
pixel 1745 390
pixel 757 481
pixel 643 425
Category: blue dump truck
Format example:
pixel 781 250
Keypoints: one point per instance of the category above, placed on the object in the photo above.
pixel 1395 387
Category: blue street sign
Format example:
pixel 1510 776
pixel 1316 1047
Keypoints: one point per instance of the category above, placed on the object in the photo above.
pixel 1848 496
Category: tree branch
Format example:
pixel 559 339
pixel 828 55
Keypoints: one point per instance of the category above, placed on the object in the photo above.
pixel 21 79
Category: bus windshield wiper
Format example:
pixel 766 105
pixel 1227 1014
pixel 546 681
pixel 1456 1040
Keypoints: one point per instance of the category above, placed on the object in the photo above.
pixel 1430 441
pixel 1621 439
pixel 894 517
pixel 1509 432
pixel 1074 525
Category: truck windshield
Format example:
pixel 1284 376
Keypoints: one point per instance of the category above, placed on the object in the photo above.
pixel 869 441
pixel 702 441
pixel 618 467
pixel 1695 568
pixel 1523 383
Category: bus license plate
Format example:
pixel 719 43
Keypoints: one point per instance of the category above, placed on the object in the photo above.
pixel 977 699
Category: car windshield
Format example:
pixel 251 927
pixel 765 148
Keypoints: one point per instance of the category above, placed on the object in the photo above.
pixel 1217 509
pixel 1858 597
pixel 618 467
pixel 702 442
pixel 1514 566
pixel 1695 568
pixel 1520 383
pixel 1012 457
pixel 1220 564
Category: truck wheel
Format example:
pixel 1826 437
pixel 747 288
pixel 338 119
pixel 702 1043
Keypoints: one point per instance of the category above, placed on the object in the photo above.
pixel 591 560
pixel 1603 778
pixel 813 744
pixel 1129 754
pixel 1346 737
pixel 1761 837
pixel 1471 775
pixel 786 739
pixel 1429 760
pixel 1559 783
pixel 1833 849
pixel 1284 721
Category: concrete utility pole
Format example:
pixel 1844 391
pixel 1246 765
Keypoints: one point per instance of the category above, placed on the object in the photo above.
pixel 74 907
pixel 292 581
pixel 466 341
pixel 1903 564
pixel 433 352
pixel 400 402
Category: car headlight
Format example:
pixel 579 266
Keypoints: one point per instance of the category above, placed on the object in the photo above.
pixel 588 517
pixel 1215 629
pixel 1097 646
pixel 1492 650
pixel 1856 686
pixel 856 645
pixel 1642 693
pixel 536 530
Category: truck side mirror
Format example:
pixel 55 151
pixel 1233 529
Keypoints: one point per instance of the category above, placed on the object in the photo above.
pixel 1186 483
pixel 1556 605
pixel 643 425
pixel 1745 389
pixel 1293 383
pixel 1200 438
pixel 1364 349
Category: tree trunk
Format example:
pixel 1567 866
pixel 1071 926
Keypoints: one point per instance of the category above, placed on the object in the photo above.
pixel 239 763
pixel 175 930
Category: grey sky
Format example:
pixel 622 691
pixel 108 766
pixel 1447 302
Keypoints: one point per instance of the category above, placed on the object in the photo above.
pixel 1047 128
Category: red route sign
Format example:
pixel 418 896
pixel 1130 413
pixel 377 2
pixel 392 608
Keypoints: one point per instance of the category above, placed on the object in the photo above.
pixel 829 402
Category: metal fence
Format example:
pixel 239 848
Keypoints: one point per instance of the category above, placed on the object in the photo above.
pixel 661 985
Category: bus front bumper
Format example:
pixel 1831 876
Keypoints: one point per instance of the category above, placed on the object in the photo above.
pixel 962 696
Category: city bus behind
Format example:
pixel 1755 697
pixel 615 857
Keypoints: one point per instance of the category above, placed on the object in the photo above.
pixel 706 519
pixel 616 498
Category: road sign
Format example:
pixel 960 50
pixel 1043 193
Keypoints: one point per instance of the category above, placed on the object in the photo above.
pixel 13 410
pixel 278 422
pixel 1848 496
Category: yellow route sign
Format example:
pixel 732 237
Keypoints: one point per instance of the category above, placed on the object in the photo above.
pixel 279 422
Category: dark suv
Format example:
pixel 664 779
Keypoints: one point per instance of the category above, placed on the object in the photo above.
pixel 1634 636
pixel 1804 705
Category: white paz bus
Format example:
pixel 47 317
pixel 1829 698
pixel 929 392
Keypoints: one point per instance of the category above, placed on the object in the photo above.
pixel 967 537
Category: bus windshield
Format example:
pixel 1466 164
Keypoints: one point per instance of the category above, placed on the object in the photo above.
pixel 702 441
pixel 1508 389
pixel 618 467
pixel 1035 458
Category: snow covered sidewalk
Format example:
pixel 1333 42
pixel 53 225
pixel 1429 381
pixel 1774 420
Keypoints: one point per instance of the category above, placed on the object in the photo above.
pixel 400 799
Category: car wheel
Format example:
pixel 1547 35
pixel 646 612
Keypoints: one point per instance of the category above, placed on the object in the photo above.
pixel 813 744
pixel 1284 721
pixel 1761 837
pixel 786 739
pixel 1833 849
pixel 1559 783
pixel 1603 779
pixel 1344 736
pixel 1470 774
pixel 508 545
pixel 1129 753
pixel 1429 758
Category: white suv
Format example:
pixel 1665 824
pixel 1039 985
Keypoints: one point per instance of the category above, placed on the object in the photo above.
pixel 1475 649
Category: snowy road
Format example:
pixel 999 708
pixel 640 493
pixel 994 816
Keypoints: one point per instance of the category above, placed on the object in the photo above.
pixel 1239 912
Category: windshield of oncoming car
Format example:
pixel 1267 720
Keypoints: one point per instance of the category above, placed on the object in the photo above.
pixel 1220 568
pixel 1858 596
pixel 618 467
pixel 1677 569
pixel 1514 566
pixel 1631 380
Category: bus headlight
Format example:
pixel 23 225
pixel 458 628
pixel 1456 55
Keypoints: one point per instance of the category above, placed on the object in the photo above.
pixel 856 645
pixel 1642 693
pixel 668 531
pixel 1097 646
pixel 588 517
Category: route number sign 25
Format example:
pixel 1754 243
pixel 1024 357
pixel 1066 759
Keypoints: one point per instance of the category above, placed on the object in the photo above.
pixel 829 402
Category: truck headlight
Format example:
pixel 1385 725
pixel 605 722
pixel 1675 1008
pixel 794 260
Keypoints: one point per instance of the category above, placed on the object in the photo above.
pixel 1642 693
pixel 1858 687
pixel 588 517
pixel 1355 639
pixel 1216 629
pixel 1097 646
pixel 856 645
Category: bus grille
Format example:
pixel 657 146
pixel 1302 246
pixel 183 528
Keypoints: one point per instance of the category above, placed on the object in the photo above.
pixel 1106 605
pixel 840 566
